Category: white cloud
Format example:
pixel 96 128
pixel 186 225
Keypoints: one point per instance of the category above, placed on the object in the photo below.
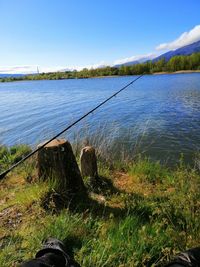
pixel 33 69
pixel 92 66
pixel 185 39
pixel 139 58
pixel 18 69
pixel 53 69
pixel 71 68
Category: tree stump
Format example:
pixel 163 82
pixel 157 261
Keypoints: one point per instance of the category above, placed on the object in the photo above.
pixel 89 164
pixel 56 161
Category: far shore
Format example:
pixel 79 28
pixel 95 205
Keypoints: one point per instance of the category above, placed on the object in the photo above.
pixel 155 73
pixel 176 72
pixel 108 76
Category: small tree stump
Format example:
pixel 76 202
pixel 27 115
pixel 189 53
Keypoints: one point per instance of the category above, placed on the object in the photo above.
pixel 89 163
pixel 56 161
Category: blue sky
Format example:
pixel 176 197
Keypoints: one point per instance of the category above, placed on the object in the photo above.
pixel 59 34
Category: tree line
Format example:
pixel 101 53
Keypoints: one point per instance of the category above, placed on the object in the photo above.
pixel 176 63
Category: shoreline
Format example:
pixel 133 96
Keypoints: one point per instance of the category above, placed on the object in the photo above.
pixel 108 76
pixel 176 72
pixel 155 73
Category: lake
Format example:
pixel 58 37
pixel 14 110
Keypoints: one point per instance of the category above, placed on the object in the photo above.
pixel 158 116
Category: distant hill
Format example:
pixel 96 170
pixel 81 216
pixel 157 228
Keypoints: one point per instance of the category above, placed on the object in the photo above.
pixel 128 63
pixel 141 60
pixel 183 51
pixel 6 75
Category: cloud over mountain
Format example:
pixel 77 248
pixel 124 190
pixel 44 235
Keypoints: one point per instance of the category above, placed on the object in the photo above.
pixel 139 58
pixel 185 39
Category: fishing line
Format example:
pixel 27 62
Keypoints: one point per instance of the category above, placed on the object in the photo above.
pixel 3 174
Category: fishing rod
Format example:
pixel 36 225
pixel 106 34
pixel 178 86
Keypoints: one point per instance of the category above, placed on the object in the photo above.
pixel 3 174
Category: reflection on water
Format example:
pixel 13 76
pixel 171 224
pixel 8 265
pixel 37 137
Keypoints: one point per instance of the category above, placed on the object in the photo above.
pixel 159 115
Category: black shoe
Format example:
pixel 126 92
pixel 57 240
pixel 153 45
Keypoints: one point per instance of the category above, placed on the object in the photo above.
pixel 57 247
pixel 188 258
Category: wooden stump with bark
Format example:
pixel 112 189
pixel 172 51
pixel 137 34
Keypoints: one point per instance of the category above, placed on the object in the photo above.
pixel 56 161
pixel 89 164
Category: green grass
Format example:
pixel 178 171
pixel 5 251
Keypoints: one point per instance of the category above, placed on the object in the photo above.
pixel 12 155
pixel 143 214
pixel 149 171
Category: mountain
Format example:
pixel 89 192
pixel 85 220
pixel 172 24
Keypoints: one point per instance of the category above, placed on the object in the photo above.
pixel 138 61
pixel 182 51
pixel 6 75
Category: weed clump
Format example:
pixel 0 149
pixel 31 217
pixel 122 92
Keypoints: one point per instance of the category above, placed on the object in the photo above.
pixel 9 156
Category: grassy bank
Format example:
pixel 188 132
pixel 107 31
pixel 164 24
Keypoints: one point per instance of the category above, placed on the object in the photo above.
pixel 140 215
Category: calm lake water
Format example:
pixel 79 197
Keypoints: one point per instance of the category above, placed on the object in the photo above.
pixel 158 116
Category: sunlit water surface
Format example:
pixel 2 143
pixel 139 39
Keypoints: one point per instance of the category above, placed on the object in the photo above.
pixel 158 116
